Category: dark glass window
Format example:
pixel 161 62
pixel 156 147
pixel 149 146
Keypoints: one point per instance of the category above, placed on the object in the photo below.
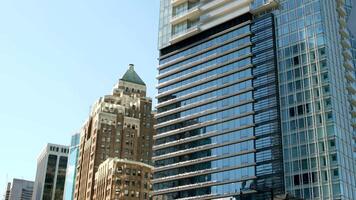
pixel 49 180
pixel 61 175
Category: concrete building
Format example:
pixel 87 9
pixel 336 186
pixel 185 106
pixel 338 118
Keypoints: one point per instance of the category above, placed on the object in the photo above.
pixel 121 179
pixel 51 173
pixel 255 97
pixel 71 167
pixel 7 191
pixel 19 189
pixel 120 125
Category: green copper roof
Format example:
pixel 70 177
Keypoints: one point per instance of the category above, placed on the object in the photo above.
pixel 131 76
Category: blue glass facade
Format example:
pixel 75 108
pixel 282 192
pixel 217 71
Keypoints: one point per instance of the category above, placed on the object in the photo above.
pixel 218 129
pixel 315 91
pixel 71 168
pixel 269 95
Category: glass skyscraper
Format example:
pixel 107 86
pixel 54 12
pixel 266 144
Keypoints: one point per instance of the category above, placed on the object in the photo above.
pixel 316 77
pixel 71 167
pixel 255 98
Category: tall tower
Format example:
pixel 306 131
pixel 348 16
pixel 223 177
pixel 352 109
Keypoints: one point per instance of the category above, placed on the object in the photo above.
pixel 218 124
pixel 7 191
pixel 51 172
pixel 71 167
pixel 120 126
pixel 255 98
pixel 317 91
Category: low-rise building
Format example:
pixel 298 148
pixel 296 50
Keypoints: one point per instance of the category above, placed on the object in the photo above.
pixel 122 179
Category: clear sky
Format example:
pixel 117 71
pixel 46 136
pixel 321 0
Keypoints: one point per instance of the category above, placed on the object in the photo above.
pixel 56 58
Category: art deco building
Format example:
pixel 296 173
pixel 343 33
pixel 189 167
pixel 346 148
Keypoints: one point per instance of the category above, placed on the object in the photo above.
pixel 51 173
pixel 255 97
pixel 121 179
pixel 120 126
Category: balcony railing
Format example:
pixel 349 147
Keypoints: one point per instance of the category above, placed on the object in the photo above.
pixel 186 33
pixel 188 14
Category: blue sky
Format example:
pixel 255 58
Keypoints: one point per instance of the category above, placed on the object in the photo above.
pixel 56 59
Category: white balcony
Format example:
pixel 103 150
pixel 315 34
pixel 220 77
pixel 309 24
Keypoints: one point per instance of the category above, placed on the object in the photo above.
pixel 346 43
pixel 353 113
pixel 348 65
pixel 354 124
pixel 351 89
pixel 192 13
pixel 341 10
pixel 268 5
pixel 350 77
pixel 344 33
pixel 213 4
pixel 177 2
pixel 352 100
pixel 347 54
pixel 185 34
pixel 342 22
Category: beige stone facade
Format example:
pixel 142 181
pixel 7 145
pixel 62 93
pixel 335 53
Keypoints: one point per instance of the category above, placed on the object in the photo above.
pixel 118 179
pixel 120 125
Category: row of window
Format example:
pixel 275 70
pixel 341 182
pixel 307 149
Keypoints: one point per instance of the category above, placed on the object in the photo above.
pixel 59 149
pixel 215 116
pixel 216 61
pixel 310 163
pixel 219 139
pixel 209 95
pixel 218 177
pixel 230 188
pixel 214 83
pixel 217 51
pixel 216 164
pixel 308 149
pixel 214 105
pixel 207 44
pixel 217 71
pixel 219 151
pixel 224 126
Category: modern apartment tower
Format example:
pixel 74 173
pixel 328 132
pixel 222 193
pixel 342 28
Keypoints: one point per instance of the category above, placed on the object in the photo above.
pixel 51 173
pixel 20 190
pixel 255 99
pixel 316 85
pixel 120 126
pixel 71 167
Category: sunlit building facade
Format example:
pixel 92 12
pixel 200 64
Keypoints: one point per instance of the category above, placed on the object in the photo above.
pixel 255 98
pixel 316 75
pixel 51 173
pixel 19 189
pixel 120 126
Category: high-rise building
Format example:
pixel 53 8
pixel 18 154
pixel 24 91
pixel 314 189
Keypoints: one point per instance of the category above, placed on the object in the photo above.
pixel 316 85
pixel 255 97
pixel 51 173
pixel 19 189
pixel 120 125
pixel 71 167
pixel 7 191
pixel 121 179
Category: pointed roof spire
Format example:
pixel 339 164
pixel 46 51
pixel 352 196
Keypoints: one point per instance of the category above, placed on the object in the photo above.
pixel 132 76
